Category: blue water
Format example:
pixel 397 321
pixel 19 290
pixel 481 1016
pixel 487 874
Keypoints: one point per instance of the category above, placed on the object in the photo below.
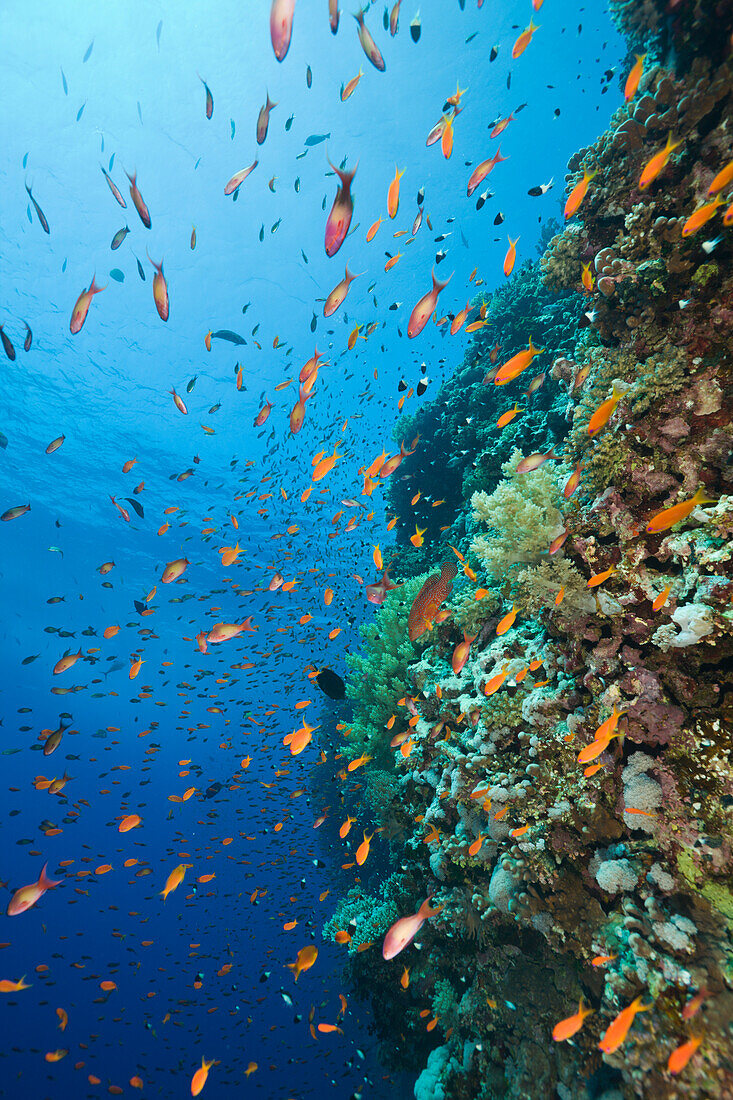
pixel 106 389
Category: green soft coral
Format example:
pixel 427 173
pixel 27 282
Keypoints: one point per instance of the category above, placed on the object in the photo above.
pixel 523 515
pixel 378 676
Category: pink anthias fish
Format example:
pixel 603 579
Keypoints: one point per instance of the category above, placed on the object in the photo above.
pixel 281 26
pixel 377 592
pixel 404 930
pixel 425 308
pixel 27 896
pixel 339 219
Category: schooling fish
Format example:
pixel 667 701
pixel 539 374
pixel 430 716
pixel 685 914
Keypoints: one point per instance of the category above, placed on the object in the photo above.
pixel 119 237
pixel 238 178
pixel 114 188
pixel 368 44
pixel 404 930
pixel 281 26
pixel 160 290
pixel 80 310
pixel 263 119
pixel 209 98
pixel 138 200
pixel 227 334
pixel 424 309
pixel 339 219
pixel 39 212
pixel 7 344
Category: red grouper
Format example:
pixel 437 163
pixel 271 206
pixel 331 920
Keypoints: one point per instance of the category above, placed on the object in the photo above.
pixel 425 605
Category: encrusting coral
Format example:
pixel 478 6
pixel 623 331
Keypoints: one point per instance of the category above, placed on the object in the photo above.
pixel 552 758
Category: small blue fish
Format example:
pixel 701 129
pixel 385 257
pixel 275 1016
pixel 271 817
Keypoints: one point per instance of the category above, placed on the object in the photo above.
pixel 158 29
pixel 231 122
pixel 117 275
pixel 88 54
pixel 139 112
pixel 63 82
pixel 25 161
pixel 316 139
pixel 80 112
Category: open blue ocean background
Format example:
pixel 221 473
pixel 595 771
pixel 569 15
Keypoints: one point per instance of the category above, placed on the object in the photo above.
pixel 85 83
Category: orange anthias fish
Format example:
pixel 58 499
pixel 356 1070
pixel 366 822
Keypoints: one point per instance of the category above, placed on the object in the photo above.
pixel 393 194
pixel 434 591
pixel 174 570
pixel 524 40
pixel 27 896
pixel 424 309
pixel 80 310
pixel 508 416
pixel 404 930
pixel 305 959
pixel 701 216
pixel 578 193
pixel 371 232
pixel 518 363
pixel 160 290
pixel 350 87
pixel 200 1076
pixel 362 851
pixel 263 414
pixel 679 1058
pixel 174 880
pixel 337 296
pixel 565 1029
pixel 632 80
pixel 8 986
pixel 657 163
pixel 460 653
pixel 482 170
pixel 618 1029
pixel 507 622
pixel 511 256
pixel 668 517
pixel 605 411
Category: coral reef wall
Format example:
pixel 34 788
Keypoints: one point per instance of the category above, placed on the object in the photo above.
pixel 566 794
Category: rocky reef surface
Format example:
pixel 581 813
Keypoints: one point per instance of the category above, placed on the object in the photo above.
pixel 608 877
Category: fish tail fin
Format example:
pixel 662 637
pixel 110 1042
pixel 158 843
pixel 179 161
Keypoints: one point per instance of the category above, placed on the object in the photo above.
pixel 437 285
pixel 295 969
pixel 131 178
pixel 158 267
pixel 94 289
pixel 46 883
pixel 701 497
